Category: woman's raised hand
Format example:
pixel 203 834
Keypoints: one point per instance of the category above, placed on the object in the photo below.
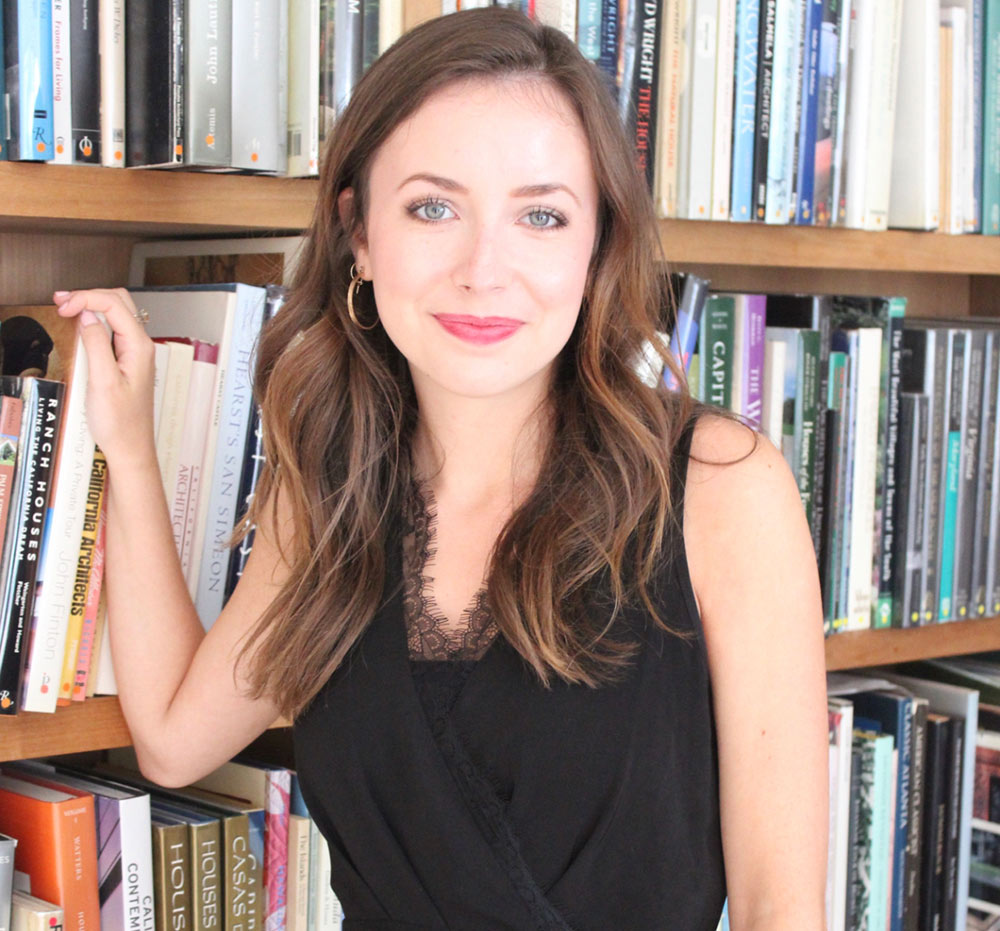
pixel 121 371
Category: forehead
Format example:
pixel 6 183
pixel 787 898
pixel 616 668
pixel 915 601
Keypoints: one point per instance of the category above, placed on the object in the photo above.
pixel 510 129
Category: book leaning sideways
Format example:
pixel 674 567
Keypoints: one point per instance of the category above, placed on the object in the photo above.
pixel 38 342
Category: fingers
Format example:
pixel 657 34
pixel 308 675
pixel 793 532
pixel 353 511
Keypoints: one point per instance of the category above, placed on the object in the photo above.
pixel 115 303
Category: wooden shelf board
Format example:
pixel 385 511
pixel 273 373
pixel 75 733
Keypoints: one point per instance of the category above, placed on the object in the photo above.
pixel 884 647
pixel 96 724
pixel 759 245
pixel 77 197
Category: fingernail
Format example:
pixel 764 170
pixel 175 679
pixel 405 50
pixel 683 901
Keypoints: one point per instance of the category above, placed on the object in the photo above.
pixel 61 293
pixel 87 318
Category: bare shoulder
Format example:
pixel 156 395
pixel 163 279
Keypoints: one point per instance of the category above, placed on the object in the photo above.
pixel 740 501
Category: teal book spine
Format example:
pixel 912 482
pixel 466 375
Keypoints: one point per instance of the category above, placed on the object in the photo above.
pixel 881 826
pixel 952 465
pixel 991 122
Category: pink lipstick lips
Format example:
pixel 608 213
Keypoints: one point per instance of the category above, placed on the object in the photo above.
pixel 479 330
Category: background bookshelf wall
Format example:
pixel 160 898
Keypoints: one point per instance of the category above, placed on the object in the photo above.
pixel 74 227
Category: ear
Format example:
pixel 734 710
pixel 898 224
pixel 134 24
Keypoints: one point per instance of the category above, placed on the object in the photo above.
pixel 359 245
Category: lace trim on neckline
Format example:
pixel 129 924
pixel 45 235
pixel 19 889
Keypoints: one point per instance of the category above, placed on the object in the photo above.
pixel 429 634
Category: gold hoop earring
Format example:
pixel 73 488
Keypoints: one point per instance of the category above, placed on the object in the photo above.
pixel 356 282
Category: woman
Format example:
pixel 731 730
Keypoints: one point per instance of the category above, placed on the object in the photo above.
pixel 545 671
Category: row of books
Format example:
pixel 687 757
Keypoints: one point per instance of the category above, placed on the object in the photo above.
pixel 829 112
pixel 102 849
pixel 53 648
pixel 214 84
pixel 816 112
pixel 890 427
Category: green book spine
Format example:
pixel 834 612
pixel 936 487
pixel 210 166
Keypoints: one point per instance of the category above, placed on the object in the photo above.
pixel 717 337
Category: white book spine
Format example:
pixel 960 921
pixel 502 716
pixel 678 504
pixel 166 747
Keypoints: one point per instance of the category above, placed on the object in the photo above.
pixel 858 106
pixel 161 355
pixel 863 479
pixel 702 94
pixel 667 120
pixel 330 914
pixel 913 188
pixel 723 132
pixel 842 826
pixel 303 88
pixel 137 863
pixel 187 485
pixel 390 23
pixel 61 550
pixel 955 17
pixel 792 105
pixel 111 20
pixel 684 93
pixel 62 110
pixel 771 410
pixel 170 427
pixel 256 53
pixel 227 459
pixel 882 113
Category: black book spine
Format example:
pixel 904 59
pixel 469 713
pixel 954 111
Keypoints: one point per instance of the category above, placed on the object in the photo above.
pixel 854 814
pixel 41 450
pixel 85 72
pixel 175 152
pixel 148 95
pixel 608 61
pixel 765 78
pixel 3 94
pixel 914 850
pixel 637 97
pixel 909 428
pixel 934 825
pixel 968 486
pixel 12 73
pixel 956 747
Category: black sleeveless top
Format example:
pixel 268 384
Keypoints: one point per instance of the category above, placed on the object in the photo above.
pixel 505 805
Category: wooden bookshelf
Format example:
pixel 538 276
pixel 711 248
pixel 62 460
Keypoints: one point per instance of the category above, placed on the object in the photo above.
pixel 97 724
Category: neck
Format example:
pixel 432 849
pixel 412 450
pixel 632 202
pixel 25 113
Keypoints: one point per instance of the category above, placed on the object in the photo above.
pixel 473 450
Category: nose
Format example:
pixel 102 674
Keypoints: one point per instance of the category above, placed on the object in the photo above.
pixel 482 265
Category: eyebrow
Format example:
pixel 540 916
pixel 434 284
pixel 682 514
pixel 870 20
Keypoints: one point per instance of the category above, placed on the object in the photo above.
pixel 527 190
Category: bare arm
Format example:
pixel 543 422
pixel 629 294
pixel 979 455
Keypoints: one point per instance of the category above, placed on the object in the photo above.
pixel 755 577
pixel 183 702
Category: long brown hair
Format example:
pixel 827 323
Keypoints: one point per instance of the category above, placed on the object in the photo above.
pixel 339 409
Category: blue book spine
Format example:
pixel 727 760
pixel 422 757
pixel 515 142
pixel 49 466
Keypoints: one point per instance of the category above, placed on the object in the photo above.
pixel 804 208
pixel 683 341
pixel 607 61
pixel 785 52
pixel 34 92
pixel 745 108
pixel 588 28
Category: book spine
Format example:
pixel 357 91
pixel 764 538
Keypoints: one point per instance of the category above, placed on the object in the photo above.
pixel 882 827
pixel 255 54
pixel 956 753
pixel 717 349
pixel 840 126
pixel 228 456
pixel 668 123
pixel 862 854
pixel 607 63
pixel 589 29
pixel 970 466
pixel 723 110
pixel 208 78
pixel 62 88
pixel 993 556
pixel 11 411
pixel 81 581
pixel 111 23
pixel 303 89
pixel 855 154
pixel 985 489
pixel 807 410
pixel 4 131
pixel 850 468
pixel 171 875
pixel 61 547
pixel 938 401
pixel 826 111
pixel 85 69
pixel 637 101
pixel 7 848
pixel 765 79
pixel 703 48
pixel 88 634
pixel 952 466
pixel 206 879
pixel 754 331
pixel 990 219
pixel 891 317
pixel 910 424
pixel 347 33
pixel 369 39
pixel 745 108
pixel 298 873
pixel 279 783
pixel 837 403
pixel 45 411
pixel 809 94
pixel 786 23
pixel 136 904
pixel 975 81
pixel 29 79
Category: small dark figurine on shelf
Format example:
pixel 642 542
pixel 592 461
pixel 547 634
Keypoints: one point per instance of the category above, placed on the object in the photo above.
pixel 550 636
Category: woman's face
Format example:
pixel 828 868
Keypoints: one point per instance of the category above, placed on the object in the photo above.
pixel 481 222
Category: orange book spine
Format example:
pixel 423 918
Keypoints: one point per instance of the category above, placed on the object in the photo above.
pixel 57 848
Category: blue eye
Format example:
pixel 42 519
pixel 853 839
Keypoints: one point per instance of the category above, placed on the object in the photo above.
pixel 544 218
pixel 429 210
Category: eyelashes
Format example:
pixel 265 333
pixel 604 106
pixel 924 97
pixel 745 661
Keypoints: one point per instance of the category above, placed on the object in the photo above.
pixel 432 210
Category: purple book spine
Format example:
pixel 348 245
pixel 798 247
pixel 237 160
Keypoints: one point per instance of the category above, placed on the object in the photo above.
pixel 753 368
